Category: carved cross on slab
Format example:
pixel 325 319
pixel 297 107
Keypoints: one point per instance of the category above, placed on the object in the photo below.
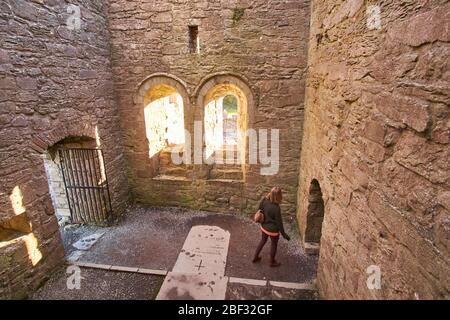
pixel 200 265
pixel 204 257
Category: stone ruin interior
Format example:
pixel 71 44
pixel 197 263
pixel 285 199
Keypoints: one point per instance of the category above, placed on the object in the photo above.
pixel 96 96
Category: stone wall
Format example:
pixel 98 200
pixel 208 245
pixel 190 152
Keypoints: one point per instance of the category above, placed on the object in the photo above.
pixel 54 83
pixel 376 138
pixel 262 44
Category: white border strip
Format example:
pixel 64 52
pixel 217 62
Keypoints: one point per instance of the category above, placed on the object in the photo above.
pixel 253 282
pixel 292 285
pixel 120 268
pixel 152 271
pixel 92 265
pixel 124 269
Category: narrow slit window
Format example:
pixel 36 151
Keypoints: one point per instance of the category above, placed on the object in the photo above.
pixel 194 41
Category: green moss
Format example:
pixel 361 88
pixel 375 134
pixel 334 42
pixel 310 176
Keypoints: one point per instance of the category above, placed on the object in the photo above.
pixel 185 199
pixel 237 14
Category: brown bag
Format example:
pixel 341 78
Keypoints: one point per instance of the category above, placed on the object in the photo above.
pixel 259 217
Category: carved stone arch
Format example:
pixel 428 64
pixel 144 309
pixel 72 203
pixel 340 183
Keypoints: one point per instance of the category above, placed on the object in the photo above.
pixel 43 141
pixel 162 78
pixel 221 84
pixel 144 96
pixel 154 87
pixel 219 78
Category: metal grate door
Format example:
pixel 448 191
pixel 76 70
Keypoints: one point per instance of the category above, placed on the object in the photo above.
pixel 86 185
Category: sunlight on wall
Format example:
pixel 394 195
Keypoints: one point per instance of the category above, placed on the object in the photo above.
pixel 16 198
pixel 164 122
pixel 100 157
pixel 97 137
pixel 56 185
pixel 214 126
pixel 34 254
pixel 30 240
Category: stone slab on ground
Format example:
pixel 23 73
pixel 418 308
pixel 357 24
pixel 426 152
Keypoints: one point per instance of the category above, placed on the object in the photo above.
pixel 204 251
pixel 87 242
pixel 72 233
pixel 100 284
pixel 184 286
pixel 199 271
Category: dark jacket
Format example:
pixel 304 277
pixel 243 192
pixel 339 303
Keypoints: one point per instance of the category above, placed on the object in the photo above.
pixel 272 217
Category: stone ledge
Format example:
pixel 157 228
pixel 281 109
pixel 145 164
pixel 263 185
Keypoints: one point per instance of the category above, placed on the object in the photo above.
pixel 171 178
pixel 225 181
pixel 311 248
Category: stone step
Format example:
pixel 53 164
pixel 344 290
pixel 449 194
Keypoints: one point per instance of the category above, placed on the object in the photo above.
pixel 167 167
pixel 166 158
pixel 225 153
pixel 231 174
pixel 173 171
pixel 223 166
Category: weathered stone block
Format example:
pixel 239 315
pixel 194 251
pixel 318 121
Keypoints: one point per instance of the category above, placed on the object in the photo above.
pixel 404 110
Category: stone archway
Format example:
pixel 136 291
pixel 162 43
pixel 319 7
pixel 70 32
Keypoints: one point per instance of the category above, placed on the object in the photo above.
pixel 210 95
pixel 315 214
pixel 162 101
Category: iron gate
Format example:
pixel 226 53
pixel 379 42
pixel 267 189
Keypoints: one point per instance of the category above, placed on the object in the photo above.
pixel 86 185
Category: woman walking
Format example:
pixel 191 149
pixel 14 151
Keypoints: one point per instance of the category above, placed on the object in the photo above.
pixel 272 226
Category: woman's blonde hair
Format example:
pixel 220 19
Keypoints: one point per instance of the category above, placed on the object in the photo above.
pixel 275 195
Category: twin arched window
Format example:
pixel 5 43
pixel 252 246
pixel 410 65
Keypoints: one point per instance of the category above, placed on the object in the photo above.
pixel 221 108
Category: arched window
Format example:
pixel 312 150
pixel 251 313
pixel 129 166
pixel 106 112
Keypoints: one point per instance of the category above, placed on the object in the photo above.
pixel 230 116
pixel 227 105
pixel 225 122
pixel 164 118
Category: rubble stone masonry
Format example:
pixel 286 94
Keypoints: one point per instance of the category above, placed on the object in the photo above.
pixel 262 44
pixel 376 138
pixel 362 109
pixel 55 83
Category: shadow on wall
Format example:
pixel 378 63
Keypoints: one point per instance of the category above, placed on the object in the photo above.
pixel 315 214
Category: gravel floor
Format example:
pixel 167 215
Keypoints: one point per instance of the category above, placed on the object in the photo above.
pixel 153 237
pixel 100 285
pixel 237 291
